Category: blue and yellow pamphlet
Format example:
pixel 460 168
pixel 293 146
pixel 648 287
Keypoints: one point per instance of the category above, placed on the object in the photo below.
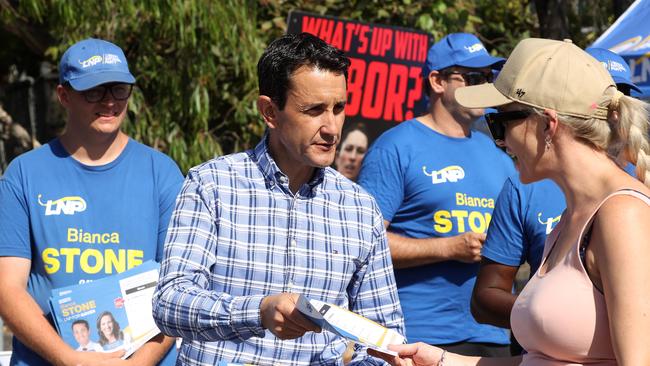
pixel 109 314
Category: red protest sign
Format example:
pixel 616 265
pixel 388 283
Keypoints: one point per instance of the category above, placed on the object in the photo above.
pixel 385 77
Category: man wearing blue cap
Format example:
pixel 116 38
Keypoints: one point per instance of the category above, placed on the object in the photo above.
pixel 436 180
pixel 90 203
pixel 524 215
pixel 617 67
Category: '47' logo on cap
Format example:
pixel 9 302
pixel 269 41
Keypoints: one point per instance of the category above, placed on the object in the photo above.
pixel 66 205
pixel 452 173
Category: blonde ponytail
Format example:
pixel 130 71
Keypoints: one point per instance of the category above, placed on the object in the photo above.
pixel 624 133
pixel 630 127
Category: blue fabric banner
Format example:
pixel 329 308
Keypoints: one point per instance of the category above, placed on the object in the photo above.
pixel 629 36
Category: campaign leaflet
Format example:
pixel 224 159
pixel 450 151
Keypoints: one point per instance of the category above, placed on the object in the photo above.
pixel 109 314
pixel 349 325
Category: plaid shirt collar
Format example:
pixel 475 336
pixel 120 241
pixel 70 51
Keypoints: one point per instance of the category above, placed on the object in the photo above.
pixel 261 155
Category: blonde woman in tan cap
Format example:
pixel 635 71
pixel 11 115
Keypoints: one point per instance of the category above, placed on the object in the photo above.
pixel 561 117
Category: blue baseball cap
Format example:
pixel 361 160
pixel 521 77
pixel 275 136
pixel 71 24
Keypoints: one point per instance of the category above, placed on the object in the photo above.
pixel 459 49
pixel 93 62
pixel 615 65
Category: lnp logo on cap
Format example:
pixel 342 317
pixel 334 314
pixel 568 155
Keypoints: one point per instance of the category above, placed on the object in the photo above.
pixel 108 58
pixel 111 59
pixel 474 48
pixel 614 66
pixel 92 61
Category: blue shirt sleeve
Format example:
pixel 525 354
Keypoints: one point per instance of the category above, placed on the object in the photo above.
pixel 381 175
pixel 185 306
pixel 373 291
pixel 170 181
pixel 14 216
pixel 505 237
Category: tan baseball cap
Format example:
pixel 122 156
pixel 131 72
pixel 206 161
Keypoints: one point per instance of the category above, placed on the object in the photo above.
pixel 547 74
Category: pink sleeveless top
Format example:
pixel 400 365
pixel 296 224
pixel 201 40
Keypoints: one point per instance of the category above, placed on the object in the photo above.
pixel 560 318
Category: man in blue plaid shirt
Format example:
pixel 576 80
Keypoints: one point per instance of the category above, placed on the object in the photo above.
pixel 254 230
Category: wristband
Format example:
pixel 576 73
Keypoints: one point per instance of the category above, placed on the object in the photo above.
pixel 442 358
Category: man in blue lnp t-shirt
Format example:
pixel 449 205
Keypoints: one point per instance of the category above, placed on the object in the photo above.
pixel 524 215
pixel 88 204
pixel 436 181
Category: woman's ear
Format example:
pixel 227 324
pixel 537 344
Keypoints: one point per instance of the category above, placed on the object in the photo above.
pixel 551 123
pixel 267 110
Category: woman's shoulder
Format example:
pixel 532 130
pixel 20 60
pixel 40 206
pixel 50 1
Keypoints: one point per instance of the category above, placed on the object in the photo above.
pixel 626 201
pixel 622 217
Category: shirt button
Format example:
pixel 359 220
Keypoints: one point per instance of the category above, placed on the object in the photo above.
pixel 290 286
pixel 293 242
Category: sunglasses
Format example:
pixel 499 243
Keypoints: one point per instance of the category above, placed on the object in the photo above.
pixel 98 93
pixel 472 77
pixel 497 122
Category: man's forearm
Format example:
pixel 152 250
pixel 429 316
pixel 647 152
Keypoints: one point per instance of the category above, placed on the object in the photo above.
pixel 493 306
pixel 26 320
pixel 409 252
pixel 185 310
pixel 492 297
pixel 153 351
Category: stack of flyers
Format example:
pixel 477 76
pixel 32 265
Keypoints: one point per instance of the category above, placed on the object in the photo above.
pixel 109 314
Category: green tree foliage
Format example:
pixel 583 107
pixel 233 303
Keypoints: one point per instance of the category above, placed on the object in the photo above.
pixel 438 17
pixel 195 60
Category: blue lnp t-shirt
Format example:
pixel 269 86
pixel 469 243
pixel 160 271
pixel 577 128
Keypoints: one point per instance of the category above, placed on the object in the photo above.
pixel 78 223
pixel 524 215
pixel 431 185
